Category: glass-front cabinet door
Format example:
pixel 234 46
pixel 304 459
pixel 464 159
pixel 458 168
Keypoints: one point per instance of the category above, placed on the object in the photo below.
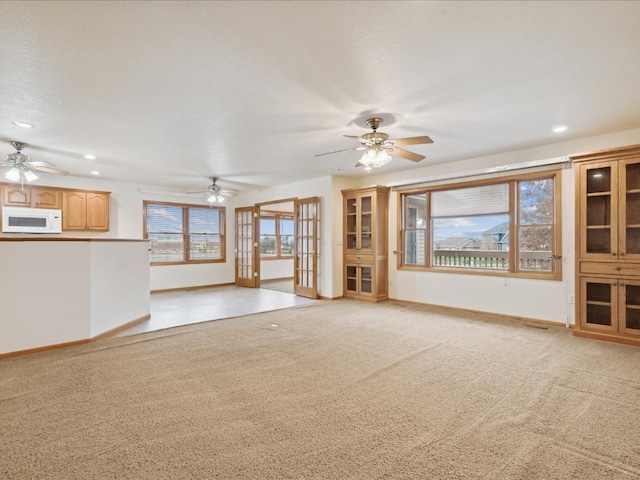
pixel 599 211
pixel 359 279
pixel 629 241
pixel 629 293
pixel 599 304
pixel 359 223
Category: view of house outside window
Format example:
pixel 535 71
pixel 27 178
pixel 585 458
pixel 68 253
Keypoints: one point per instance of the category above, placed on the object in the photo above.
pixel 481 228
pixel 184 233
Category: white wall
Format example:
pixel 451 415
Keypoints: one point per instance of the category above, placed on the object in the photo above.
pixel 272 269
pixel 55 292
pixel 120 270
pixel 41 282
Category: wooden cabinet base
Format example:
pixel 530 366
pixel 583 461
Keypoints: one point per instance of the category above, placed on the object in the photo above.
pixel 365 299
pixel 607 337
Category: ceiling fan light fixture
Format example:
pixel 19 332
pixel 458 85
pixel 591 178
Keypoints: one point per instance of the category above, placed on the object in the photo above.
pixel 375 158
pixel 29 176
pixel 214 197
pixel 13 175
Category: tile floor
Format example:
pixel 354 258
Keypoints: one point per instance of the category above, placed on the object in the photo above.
pixel 171 309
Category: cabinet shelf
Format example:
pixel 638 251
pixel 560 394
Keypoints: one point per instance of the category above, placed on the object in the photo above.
pixel 605 304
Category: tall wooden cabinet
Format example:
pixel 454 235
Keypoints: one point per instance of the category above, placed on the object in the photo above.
pixel 608 245
pixel 365 269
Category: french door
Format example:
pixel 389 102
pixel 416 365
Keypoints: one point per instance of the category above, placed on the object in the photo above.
pixel 246 250
pixel 306 247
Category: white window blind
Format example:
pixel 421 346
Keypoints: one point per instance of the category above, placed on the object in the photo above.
pixel 482 200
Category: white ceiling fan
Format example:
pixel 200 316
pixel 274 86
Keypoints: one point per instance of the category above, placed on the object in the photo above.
pixel 214 193
pixel 22 167
pixel 379 148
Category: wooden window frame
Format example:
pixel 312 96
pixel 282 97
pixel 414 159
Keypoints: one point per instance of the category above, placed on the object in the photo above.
pixel 277 216
pixel 185 231
pixel 513 269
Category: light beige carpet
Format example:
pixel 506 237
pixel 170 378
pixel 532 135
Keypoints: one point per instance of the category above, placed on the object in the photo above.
pixel 337 390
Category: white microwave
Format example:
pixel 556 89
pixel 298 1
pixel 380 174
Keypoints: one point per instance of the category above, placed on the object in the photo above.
pixel 31 220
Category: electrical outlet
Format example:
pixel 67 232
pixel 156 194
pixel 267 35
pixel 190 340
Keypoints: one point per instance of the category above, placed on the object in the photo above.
pixel 572 299
pixel 390 281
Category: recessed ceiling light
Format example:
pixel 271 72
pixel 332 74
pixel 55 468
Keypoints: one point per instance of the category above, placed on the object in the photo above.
pixel 24 124
pixel 88 156
pixel 95 172
pixel 559 128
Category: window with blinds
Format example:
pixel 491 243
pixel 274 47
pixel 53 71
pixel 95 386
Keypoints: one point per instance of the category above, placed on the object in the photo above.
pixel 505 226
pixel 179 233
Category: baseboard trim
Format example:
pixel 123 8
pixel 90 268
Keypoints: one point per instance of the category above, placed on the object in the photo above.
pixel 113 331
pixel 481 312
pixel 322 297
pixel 29 351
pixel 56 346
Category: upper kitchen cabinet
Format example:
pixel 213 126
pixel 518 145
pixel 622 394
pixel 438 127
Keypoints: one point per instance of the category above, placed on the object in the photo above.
pixel 85 210
pixel 39 197
pixel 43 197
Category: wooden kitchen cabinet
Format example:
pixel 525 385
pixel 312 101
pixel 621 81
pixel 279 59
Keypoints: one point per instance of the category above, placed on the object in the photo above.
pixel 15 196
pixel 608 245
pixel 42 197
pixel 38 197
pixel 85 210
pixel 365 213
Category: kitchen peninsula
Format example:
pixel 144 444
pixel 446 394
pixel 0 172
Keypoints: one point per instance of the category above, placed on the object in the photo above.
pixel 60 291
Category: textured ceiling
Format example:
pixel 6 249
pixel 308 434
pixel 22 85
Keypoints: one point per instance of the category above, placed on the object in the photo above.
pixel 170 93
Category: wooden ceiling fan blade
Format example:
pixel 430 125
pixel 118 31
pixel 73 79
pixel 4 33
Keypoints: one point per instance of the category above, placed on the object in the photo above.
pixel 412 140
pixel 399 152
pixel 338 151
pixel 55 171
pixel 353 137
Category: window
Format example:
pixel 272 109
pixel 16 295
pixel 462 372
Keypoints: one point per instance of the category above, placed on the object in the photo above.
pixel 276 235
pixel 508 226
pixel 184 233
